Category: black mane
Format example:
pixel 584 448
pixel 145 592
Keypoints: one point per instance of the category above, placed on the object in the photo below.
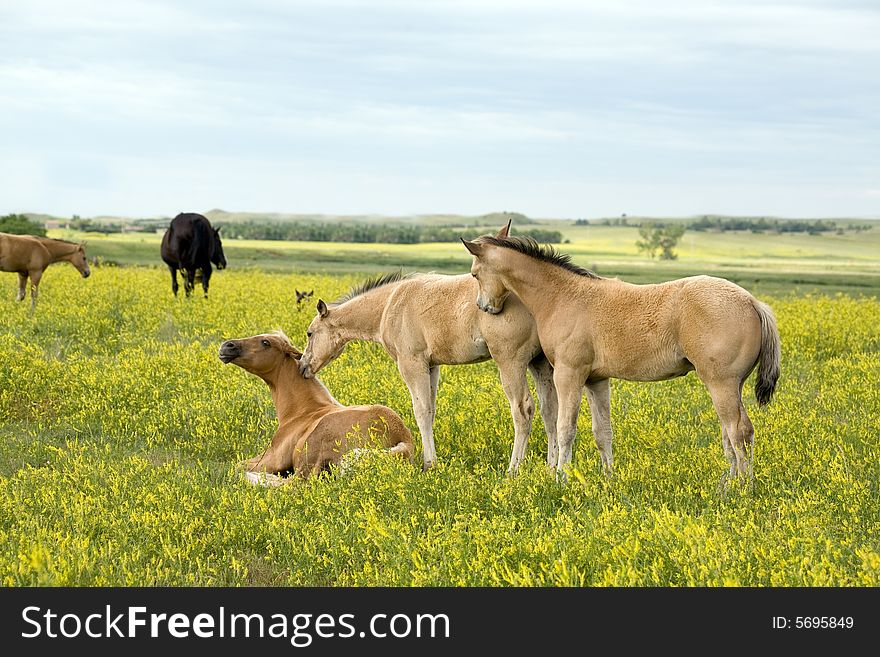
pixel 528 246
pixel 372 284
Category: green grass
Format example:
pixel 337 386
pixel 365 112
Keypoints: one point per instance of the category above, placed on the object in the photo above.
pixel 119 430
pixel 772 264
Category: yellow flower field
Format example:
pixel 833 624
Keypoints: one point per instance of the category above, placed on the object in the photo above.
pixel 120 428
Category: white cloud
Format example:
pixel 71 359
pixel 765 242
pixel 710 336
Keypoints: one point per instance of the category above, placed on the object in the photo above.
pixel 413 106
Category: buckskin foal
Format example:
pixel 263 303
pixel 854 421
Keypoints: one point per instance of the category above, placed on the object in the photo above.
pixel 314 430
pixel 593 329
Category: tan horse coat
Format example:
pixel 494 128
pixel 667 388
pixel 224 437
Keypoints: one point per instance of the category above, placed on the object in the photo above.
pixel 29 256
pixel 593 329
pixel 429 320
pixel 314 430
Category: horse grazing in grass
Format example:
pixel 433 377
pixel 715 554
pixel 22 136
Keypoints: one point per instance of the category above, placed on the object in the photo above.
pixel 427 320
pixel 593 329
pixel 314 430
pixel 192 244
pixel 29 256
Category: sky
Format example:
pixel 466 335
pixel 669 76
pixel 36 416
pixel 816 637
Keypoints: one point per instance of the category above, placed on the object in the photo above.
pixel 552 108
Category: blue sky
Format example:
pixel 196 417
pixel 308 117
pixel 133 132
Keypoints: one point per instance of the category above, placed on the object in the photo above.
pixel 552 108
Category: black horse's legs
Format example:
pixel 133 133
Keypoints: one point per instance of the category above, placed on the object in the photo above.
pixel 190 282
pixel 174 285
pixel 206 277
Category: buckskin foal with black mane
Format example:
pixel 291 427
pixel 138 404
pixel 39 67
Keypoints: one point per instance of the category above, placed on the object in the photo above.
pixel 192 244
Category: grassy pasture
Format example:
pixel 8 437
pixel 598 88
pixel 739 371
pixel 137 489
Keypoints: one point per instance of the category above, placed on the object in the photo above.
pixel 119 428
pixel 777 264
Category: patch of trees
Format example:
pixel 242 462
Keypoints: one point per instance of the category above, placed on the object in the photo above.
pixel 368 233
pixel 660 238
pixel 89 226
pixel 762 225
pixel 19 224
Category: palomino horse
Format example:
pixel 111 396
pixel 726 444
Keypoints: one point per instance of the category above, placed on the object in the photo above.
pixel 314 430
pixel 427 320
pixel 29 256
pixel 593 329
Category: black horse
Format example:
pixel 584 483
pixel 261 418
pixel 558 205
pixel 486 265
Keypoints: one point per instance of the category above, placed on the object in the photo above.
pixel 191 243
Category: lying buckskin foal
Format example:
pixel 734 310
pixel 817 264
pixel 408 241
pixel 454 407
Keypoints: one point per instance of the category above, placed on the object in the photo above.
pixel 314 430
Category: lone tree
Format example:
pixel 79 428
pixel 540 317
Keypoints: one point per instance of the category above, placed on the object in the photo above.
pixel 659 237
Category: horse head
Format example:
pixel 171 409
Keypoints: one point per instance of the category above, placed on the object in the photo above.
pixel 492 293
pixel 217 255
pixel 325 342
pixel 259 354
pixel 79 260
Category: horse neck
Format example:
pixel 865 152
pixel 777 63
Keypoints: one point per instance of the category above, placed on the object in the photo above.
pixel 59 250
pixel 539 283
pixel 295 396
pixel 361 317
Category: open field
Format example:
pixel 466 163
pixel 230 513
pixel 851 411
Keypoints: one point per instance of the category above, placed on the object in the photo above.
pixel 776 264
pixel 119 429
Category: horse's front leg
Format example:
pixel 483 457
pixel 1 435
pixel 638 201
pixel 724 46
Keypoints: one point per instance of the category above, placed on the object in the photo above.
pixel 542 373
pixel 569 383
pixel 599 397
pixel 522 408
pixel 278 457
pixel 22 287
pixel 35 275
pixel 417 375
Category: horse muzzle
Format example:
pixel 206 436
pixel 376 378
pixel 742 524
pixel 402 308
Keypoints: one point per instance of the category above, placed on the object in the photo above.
pixel 229 351
pixel 305 369
pixel 86 273
pixel 492 310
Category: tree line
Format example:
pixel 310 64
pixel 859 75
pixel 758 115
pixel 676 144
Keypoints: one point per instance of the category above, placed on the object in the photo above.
pixel 367 233
pixel 18 224
pixel 742 224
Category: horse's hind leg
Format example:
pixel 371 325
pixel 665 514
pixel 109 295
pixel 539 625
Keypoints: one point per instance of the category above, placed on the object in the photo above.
pixel 174 286
pixel 542 373
pixel 189 281
pixel 206 277
pixel 434 373
pixel 22 287
pixel 522 408
pixel 599 397
pixel 736 427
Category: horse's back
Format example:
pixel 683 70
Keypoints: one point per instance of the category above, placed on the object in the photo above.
pixel 436 313
pixel 22 253
pixel 366 426
pixel 186 241
pixel 718 321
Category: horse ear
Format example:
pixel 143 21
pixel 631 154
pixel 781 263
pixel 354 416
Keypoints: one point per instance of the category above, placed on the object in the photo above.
pixel 311 292
pixel 297 291
pixel 504 232
pixel 322 308
pixel 474 248
pixel 217 229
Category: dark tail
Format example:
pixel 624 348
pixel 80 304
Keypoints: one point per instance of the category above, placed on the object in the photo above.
pixel 768 360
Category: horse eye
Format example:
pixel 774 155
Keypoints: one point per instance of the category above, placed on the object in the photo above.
pixel 265 343
pixel 474 275
pixel 308 334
